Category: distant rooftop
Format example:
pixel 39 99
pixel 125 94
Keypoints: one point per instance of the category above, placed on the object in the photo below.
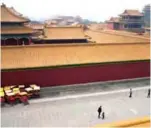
pixel 52 33
pixel 35 26
pixel 114 19
pixel 131 13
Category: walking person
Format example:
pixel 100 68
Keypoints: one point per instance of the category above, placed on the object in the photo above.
pixel 99 111
pixel 130 95
pixel 103 115
pixel 148 95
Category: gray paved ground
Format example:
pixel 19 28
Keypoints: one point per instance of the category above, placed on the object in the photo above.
pixel 80 112
pixel 92 87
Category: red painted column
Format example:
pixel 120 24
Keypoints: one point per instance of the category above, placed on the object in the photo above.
pixel 30 42
pixel 17 41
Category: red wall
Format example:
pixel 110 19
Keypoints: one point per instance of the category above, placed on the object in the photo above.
pixel 110 26
pixel 74 75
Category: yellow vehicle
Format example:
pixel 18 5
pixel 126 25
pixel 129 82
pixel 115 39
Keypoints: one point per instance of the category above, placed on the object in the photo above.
pixel 2 99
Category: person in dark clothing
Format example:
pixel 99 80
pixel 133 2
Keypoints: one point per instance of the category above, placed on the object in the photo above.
pixel 99 111
pixel 148 95
pixel 130 95
pixel 103 115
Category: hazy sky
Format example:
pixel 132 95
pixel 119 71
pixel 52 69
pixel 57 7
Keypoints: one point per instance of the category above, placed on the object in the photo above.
pixel 98 10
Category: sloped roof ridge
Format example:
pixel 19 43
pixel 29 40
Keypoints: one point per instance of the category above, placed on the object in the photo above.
pixel 14 11
pixel 18 16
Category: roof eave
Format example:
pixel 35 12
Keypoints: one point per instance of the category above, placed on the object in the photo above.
pixel 64 39
pixel 130 15
pixel 15 33
pixel 15 21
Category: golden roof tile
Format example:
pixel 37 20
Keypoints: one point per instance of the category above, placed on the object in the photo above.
pixel 14 11
pixel 16 30
pixel 63 33
pixel 9 15
pixel 112 37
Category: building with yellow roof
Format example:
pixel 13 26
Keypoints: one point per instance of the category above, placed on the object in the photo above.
pixel 71 61
pixel 13 31
pixel 59 35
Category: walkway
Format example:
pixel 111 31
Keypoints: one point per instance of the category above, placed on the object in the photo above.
pixel 80 111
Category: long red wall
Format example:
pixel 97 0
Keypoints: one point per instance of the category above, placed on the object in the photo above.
pixel 74 75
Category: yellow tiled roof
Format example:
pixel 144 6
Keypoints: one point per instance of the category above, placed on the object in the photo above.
pixel 112 37
pixel 51 55
pixel 14 11
pixel 64 33
pixel 16 30
pixel 132 12
pixel 7 15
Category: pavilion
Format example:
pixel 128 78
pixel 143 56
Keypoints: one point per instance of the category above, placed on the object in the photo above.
pixel 13 31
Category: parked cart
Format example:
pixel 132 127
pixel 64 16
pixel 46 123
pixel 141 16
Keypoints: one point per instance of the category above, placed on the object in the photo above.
pixel 18 93
pixel 2 98
pixel 36 90
pixel 17 96
pixel 10 97
pixel 29 90
pixel 24 98
pixel 22 88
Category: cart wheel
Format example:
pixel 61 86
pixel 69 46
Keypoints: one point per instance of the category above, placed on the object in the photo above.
pixel 2 104
pixel 26 103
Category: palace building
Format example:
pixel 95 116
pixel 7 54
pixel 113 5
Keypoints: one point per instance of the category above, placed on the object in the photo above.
pixel 113 23
pixel 59 35
pixel 13 31
pixel 129 20
pixel 132 20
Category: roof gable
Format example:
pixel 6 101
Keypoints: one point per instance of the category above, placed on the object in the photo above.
pixel 10 15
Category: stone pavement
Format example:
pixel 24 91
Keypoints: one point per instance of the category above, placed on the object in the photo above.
pixel 77 112
pixel 58 91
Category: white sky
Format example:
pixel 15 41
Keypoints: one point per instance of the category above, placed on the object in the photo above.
pixel 98 10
